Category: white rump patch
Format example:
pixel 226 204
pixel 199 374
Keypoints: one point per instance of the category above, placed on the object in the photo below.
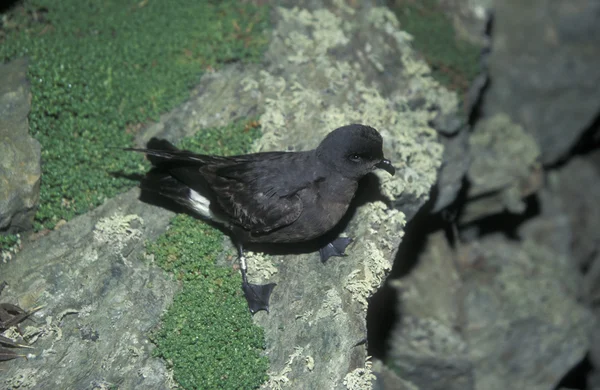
pixel 200 204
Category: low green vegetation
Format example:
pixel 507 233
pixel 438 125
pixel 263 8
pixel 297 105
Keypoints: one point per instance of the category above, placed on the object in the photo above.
pixel 8 240
pixel 207 334
pixel 101 69
pixel 454 62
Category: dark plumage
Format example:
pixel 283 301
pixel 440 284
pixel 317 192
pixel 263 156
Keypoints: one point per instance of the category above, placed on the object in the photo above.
pixel 273 197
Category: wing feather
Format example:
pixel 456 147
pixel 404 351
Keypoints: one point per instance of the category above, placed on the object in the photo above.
pixel 260 195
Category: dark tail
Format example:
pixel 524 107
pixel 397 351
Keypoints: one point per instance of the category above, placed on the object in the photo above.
pixel 161 152
pixel 174 171
pixel 160 181
pixel 158 151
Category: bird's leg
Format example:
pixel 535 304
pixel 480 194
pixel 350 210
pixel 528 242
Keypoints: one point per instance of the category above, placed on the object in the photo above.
pixel 334 248
pixel 257 295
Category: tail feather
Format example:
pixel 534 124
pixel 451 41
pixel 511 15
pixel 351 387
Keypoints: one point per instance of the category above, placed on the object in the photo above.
pixel 176 175
pixel 161 152
pixel 161 182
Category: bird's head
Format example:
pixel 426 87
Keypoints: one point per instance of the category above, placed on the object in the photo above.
pixel 354 151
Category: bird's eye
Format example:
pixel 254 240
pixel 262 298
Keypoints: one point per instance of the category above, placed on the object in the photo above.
pixel 355 157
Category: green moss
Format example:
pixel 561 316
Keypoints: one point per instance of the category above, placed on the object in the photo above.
pixel 454 62
pixel 208 334
pixel 98 69
pixel 8 243
pixel 8 240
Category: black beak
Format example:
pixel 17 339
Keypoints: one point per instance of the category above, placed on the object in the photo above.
pixel 386 165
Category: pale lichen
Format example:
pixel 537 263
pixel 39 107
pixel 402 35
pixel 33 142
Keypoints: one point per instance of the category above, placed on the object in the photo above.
pixel 260 266
pixel 117 230
pixel 279 379
pixel 361 378
pixel 375 255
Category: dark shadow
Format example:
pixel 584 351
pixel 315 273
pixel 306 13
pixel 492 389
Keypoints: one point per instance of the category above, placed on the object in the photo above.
pixel 5 6
pixel 478 91
pixel 587 143
pixel 383 313
pixel 505 222
pixel 576 378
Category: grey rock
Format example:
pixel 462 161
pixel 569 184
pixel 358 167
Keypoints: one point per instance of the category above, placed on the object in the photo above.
pixel 504 169
pixel 514 308
pixel 576 188
pixel 594 377
pixel 547 82
pixel 568 226
pixel 100 301
pixel 427 347
pixel 469 18
pixel 448 124
pixel 456 162
pixel 492 315
pixel 20 170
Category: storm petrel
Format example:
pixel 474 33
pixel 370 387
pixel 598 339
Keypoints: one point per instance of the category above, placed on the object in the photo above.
pixel 271 197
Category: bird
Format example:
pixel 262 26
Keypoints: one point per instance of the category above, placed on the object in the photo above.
pixel 269 197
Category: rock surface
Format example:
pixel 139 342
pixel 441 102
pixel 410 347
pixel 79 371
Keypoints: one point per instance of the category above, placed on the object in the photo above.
pixel 568 224
pixel 20 170
pixel 469 18
pixel 100 300
pixel 504 169
pixel 547 82
pixel 490 315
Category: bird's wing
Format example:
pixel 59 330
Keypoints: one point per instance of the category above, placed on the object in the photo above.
pixel 259 194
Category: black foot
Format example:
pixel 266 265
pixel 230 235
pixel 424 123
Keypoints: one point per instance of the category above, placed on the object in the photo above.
pixel 258 296
pixel 334 248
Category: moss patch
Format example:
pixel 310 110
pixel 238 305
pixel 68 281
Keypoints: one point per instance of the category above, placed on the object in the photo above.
pixel 207 334
pixel 454 62
pixel 99 69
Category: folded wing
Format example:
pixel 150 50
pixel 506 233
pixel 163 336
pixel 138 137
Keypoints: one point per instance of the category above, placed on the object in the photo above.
pixel 258 192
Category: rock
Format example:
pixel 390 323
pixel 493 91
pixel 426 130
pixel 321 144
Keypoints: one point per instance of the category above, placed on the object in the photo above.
pixel 568 224
pixel 489 316
pixel 504 169
pixel 456 162
pixel 576 188
pixel 546 83
pixel 469 18
pixel 20 170
pixel 426 348
pixel 100 301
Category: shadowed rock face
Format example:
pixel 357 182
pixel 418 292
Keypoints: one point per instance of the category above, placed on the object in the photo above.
pixel 548 82
pixel 20 171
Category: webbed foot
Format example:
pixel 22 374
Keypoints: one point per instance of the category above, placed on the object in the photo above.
pixel 257 295
pixel 334 248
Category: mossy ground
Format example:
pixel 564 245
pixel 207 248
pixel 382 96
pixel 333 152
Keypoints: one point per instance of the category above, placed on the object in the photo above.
pixel 207 334
pixel 454 62
pixel 100 69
